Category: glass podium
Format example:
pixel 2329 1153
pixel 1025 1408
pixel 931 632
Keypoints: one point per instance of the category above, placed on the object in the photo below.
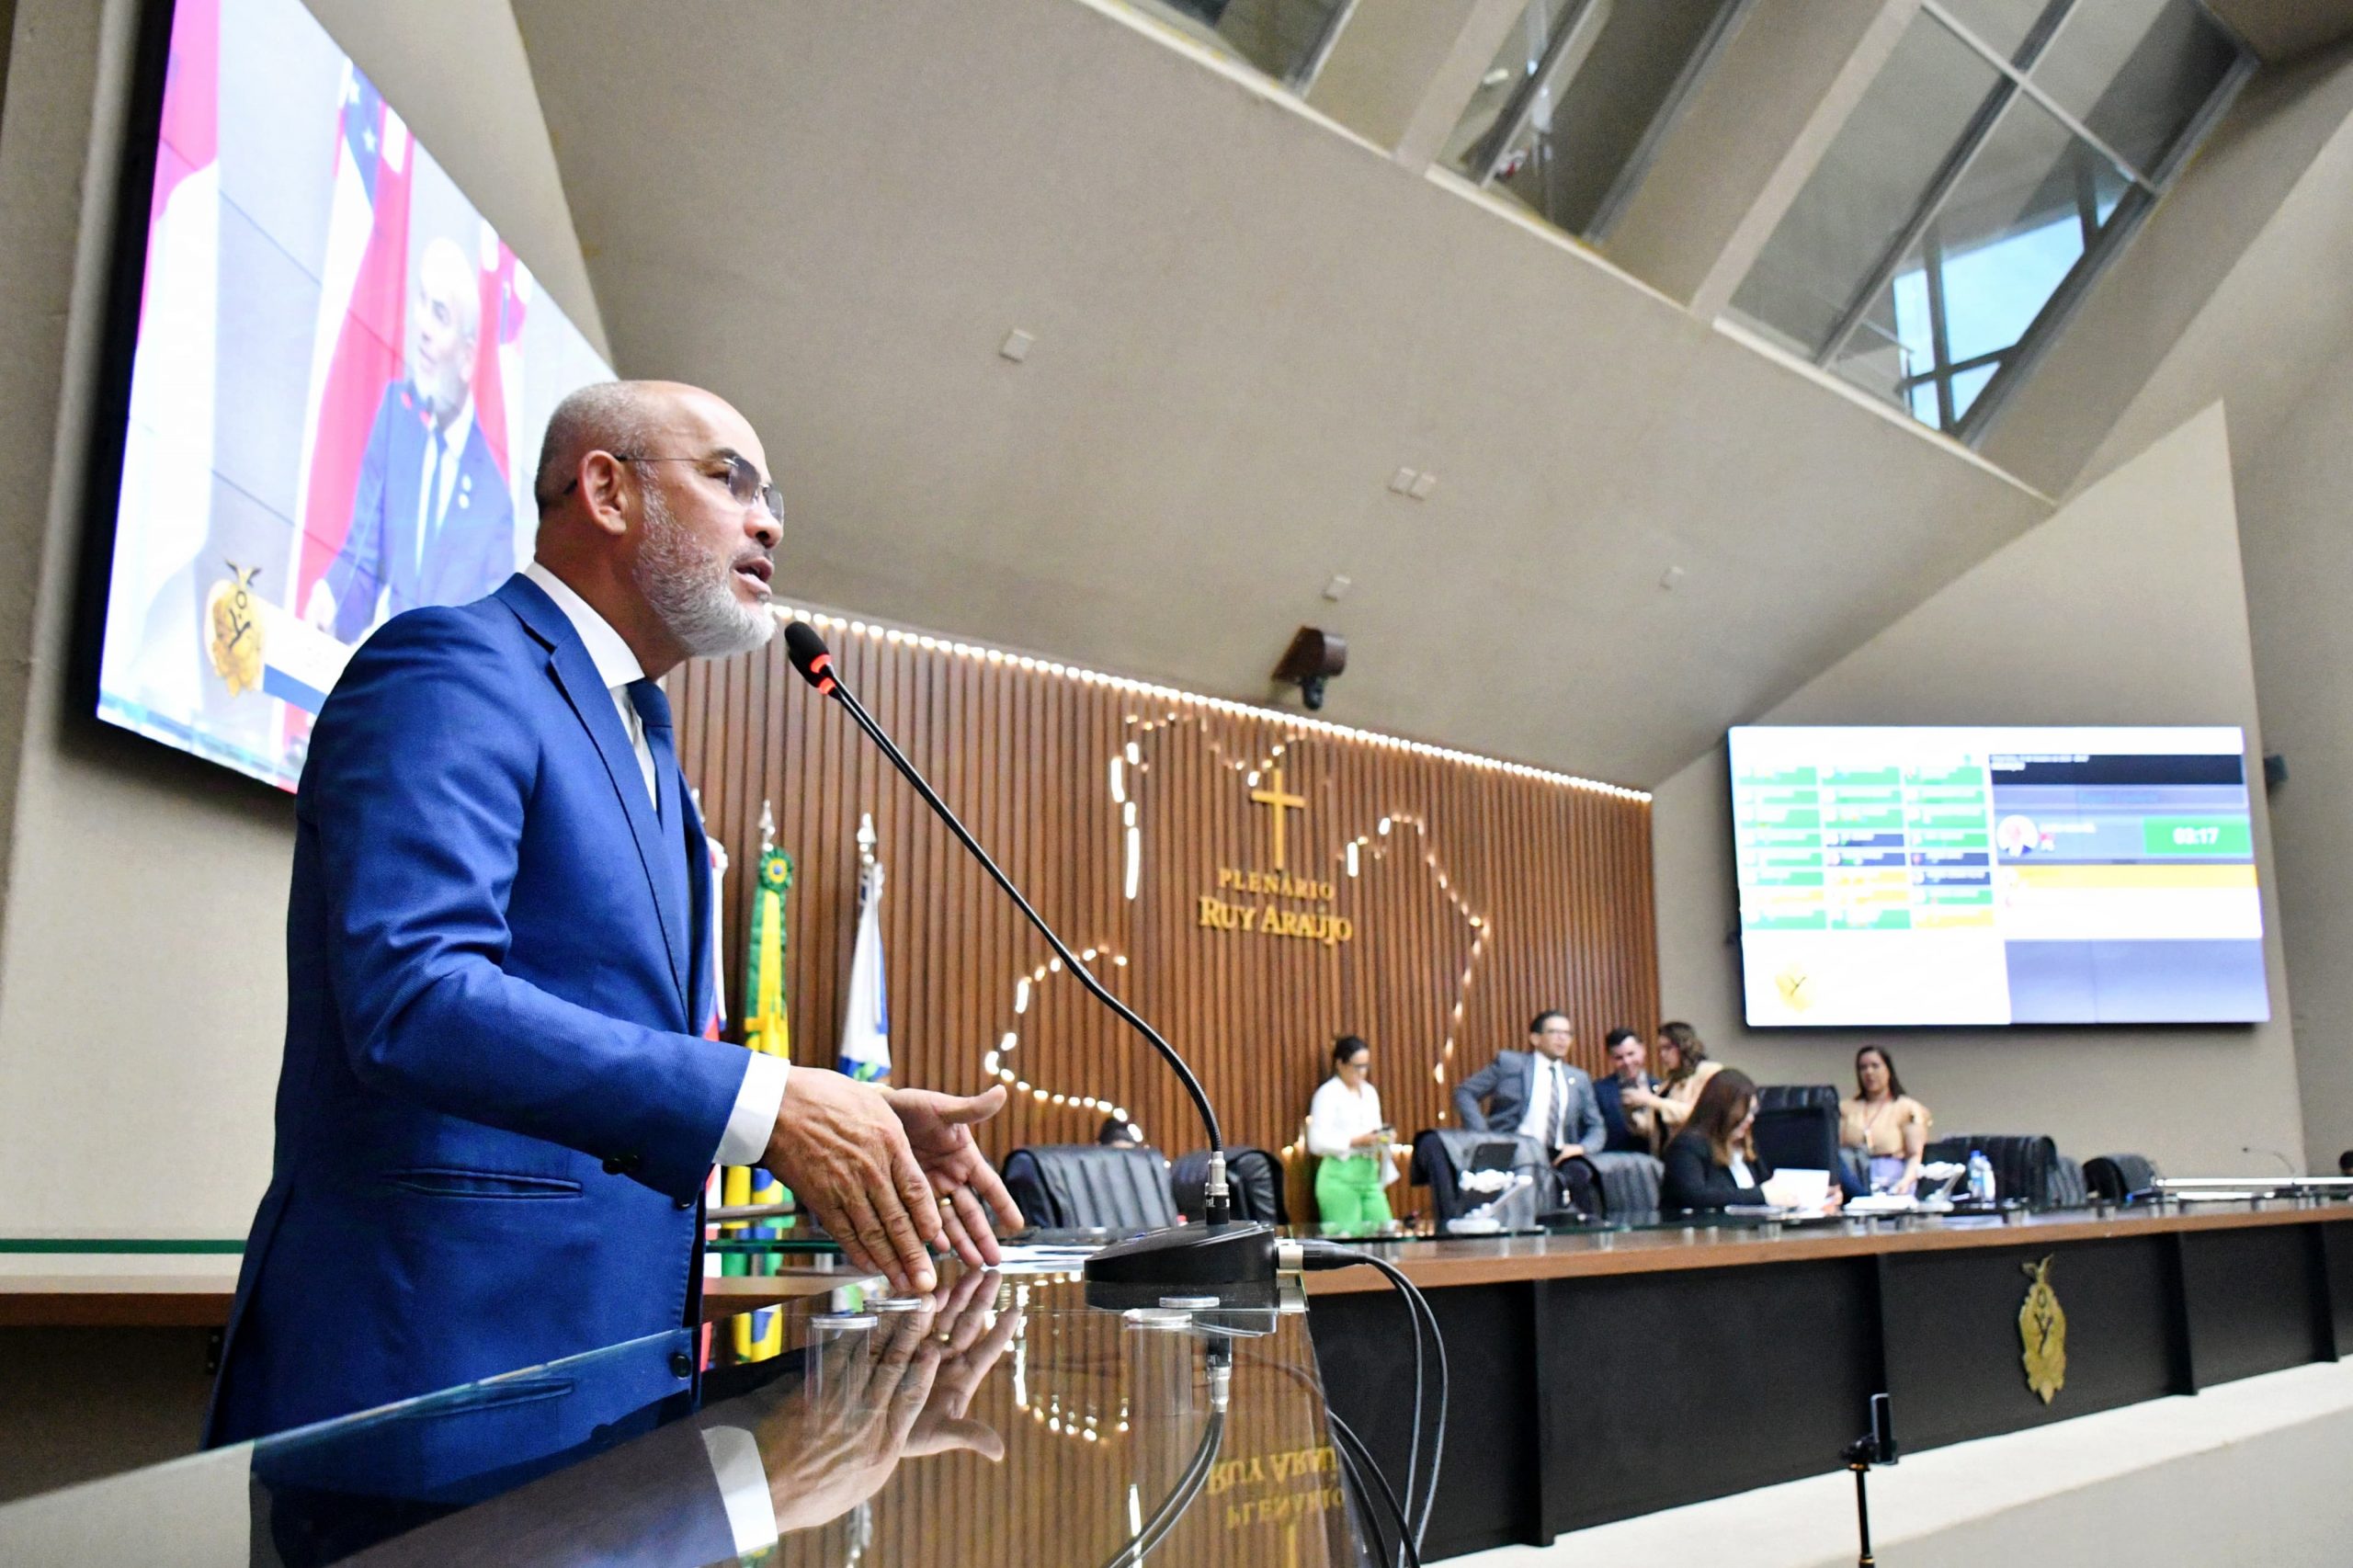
pixel 998 1420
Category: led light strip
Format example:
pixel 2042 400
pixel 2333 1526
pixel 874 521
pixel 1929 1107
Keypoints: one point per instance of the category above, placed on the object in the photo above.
pixel 993 1061
pixel 894 636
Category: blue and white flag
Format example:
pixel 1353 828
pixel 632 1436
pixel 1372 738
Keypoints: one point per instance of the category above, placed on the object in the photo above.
pixel 866 1023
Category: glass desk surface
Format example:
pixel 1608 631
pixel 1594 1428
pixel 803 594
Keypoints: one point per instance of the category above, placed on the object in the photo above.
pixel 1000 1420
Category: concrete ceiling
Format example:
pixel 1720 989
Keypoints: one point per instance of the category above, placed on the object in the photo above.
pixel 2282 30
pixel 1245 321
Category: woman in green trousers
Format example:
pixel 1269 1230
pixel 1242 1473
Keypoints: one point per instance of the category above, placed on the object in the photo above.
pixel 1346 1129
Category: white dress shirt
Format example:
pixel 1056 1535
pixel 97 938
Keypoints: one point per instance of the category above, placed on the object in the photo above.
pixel 743 1480
pixel 1338 1114
pixel 762 1091
pixel 1547 1091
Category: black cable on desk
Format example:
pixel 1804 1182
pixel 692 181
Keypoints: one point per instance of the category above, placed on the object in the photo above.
pixel 1408 1547
pixel 1359 1496
pixel 1323 1254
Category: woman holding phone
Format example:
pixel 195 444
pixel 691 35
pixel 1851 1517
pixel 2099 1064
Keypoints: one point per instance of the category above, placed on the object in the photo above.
pixel 1347 1131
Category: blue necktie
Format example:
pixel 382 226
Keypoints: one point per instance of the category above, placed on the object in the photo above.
pixel 670 865
pixel 653 705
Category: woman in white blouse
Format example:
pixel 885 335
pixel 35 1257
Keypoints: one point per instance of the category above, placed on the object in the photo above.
pixel 1345 1126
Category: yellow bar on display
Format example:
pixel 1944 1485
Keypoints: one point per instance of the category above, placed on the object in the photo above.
pixel 2139 878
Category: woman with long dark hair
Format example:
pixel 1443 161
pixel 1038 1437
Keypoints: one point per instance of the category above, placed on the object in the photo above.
pixel 1711 1163
pixel 1887 1129
pixel 1683 1058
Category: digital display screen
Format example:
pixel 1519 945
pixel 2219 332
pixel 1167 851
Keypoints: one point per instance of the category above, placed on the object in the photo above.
pixel 340 381
pixel 1894 875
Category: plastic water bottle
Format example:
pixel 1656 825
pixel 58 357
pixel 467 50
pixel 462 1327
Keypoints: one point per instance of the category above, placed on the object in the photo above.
pixel 1981 1177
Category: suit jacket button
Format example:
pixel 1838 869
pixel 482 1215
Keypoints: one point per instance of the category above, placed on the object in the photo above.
pixel 682 1203
pixel 681 1364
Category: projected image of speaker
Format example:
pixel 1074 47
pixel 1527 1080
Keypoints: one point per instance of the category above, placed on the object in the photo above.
pixel 328 390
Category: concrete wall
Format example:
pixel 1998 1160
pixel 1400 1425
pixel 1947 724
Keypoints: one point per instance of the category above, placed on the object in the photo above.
pixel 142 960
pixel 2295 492
pixel 2126 607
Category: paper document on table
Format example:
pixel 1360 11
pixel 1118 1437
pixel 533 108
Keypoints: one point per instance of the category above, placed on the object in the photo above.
pixel 1797 1190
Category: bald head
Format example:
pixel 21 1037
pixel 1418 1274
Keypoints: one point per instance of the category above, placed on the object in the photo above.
pixel 637 513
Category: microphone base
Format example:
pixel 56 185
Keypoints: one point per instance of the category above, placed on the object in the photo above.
pixel 1235 1263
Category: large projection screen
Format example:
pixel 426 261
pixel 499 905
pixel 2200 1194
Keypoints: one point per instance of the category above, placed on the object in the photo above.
pixel 340 379
pixel 1947 876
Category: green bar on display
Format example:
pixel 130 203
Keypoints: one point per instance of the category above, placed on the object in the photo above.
pixel 2197 836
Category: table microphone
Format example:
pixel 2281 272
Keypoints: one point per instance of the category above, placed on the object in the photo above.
pixel 1233 1261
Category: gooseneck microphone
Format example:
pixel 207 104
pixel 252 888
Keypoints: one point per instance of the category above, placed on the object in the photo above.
pixel 1218 1255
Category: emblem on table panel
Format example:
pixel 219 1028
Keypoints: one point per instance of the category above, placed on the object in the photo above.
pixel 235 623
pixel 2042 1333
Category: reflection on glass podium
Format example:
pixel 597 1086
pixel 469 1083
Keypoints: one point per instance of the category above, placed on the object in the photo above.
pixel 999 1421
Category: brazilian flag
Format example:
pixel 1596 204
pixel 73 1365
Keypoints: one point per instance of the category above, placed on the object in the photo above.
pixel 760 1334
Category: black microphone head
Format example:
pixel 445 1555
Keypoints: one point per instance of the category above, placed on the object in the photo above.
pixel 808 654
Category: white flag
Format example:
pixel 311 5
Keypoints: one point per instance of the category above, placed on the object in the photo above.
pixel 866 1023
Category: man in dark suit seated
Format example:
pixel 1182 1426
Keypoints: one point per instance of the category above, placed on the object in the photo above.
pixel 1629 1132
pixel 1538 1094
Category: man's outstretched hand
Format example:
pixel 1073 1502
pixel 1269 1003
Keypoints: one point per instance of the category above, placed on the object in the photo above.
pixel 840 1148
pixel 974 1204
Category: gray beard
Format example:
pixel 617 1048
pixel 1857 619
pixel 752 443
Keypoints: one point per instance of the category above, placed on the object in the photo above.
pixel 693 591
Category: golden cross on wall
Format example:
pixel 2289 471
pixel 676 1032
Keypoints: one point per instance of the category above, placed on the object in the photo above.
pixel 1273 796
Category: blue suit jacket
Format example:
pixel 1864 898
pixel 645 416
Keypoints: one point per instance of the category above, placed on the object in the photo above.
pixel 473 552
pixel 493 1122
pixel 1609 1093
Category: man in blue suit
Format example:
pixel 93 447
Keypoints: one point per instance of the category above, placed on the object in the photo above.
pixel 494 1117
pixel 431 522
pixel 1630 1130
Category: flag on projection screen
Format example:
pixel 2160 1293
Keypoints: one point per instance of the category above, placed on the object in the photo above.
pixel 359 346
pixel 154 646
pixel 506 294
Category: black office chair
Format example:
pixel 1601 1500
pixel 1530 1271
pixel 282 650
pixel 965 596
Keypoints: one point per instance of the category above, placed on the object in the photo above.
pixel 1797 1127
pixel 2116 1178
pixel 1253 1176
pixel 1629 1186
pixel 1072 1186
pixel 1777 1096
pixel 2025 1165
pixel 2067 1188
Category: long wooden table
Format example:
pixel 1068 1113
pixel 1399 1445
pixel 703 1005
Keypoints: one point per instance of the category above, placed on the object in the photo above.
pixel 1601 1376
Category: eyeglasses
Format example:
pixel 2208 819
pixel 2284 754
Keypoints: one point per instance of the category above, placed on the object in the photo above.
pixel 743 482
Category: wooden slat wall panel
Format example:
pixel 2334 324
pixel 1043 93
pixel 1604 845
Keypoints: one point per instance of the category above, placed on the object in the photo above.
pixel 1558 874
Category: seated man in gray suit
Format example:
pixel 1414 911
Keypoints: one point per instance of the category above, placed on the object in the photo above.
pixel 1536 1094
